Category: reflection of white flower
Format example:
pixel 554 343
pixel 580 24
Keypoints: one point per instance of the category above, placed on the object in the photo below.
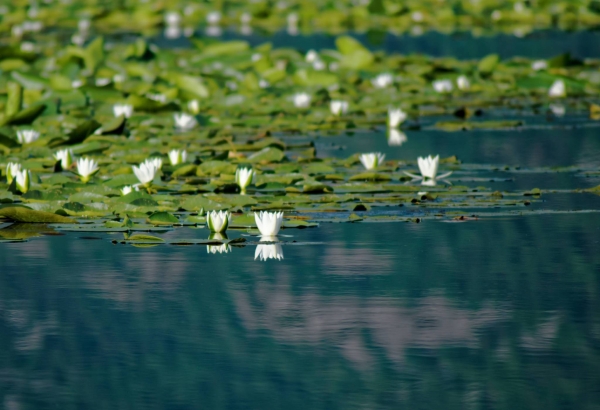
pixel 184 121
pixel 27 136
pixel 338 107
pixel 558 109
pixel 371 160
pixel 243 177
pixel 177 157
pixel 302 100
pixel 145 172
pixel 218 221
pixel 463 83
pixel 86 167
pixel 396 138
pixel 268 223
pixel 382 80
pixel 225 248
pixel 558 89
pixel 268 251
pixel 123 109
pixel 396 117
pixel 11 171
pixel 428 166
pixel 443 86
pixel 65 157
pixel 539 65
pixel 172 32
pixel 23 180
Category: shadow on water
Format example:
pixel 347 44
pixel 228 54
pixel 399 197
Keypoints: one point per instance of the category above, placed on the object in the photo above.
pixel 490 313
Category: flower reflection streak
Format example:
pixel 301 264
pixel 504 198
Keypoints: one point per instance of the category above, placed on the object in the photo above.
pixel 396 138
pixel 269 250
pixel 222 248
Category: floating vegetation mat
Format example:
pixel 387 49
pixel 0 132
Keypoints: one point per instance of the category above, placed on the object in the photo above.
pixel 296 16
pixel 119 137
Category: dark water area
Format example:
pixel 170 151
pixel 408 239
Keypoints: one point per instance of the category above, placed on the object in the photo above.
pixel 493 313
pixel 537 44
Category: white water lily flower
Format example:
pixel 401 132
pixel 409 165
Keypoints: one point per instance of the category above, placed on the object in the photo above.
pixel 463 83
pixel 302 100
pixel 172 18
pixel 65 157
pixel 122 109
pixel 319 65
pixel 382 80
pixel 396 117
pixel 338 107
pixel 177 157
pixel 244 177
pixel 539 65
pixel 184 121
pixel 268 251
pixel 558 89
pixel 86 168
pixel 23 180
pixel 194 106
pixel 443 86
pixel 218 221
pixel 268 223
pixel 145 172
pixel 396 138
pixel 428 166
pixel 11 171
pixel 27 136
pixel 156 161
pixel 371 160
pixel 311 56
pixel 214 17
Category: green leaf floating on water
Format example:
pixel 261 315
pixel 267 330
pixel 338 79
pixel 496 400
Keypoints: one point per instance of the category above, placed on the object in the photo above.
pixel 22 214
pixel 162 218
pixel 488 64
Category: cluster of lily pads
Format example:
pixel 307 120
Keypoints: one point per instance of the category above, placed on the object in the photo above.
pixel 184 17
pixel 125 137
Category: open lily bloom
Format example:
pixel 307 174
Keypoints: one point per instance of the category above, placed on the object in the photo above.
pixel 65 157
pixel 156 161
pixel 463 83
pixel 129 188
pixel 311 56
pixel 214 17
pixel 428 166
pixel 558 89
pixel 396 138
pixel 302 100
pixel 243 177
pixel 268 251
pixel 177 157
pixel 27 136
pixel 193 106
pixel 338 107
pixel 11 171
pixel 23 180
pixel 172 18
pixel 218 221
pixel 145 172
pixel 268 223
pixel 371 160
pixel 86 168
pixel 184 121
pixel 123 109
pixel 539 65
pixel 382 80
pixel 396 117
pixel 443 86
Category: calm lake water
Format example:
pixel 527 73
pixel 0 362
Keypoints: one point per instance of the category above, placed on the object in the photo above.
pixel 493 313
pixel 484 314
